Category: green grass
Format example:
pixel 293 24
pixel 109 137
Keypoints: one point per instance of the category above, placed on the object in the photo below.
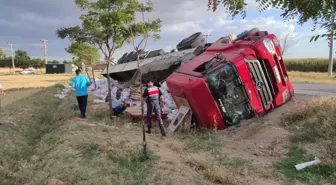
pixel 314 134
pixel 39 143
pixel 319 174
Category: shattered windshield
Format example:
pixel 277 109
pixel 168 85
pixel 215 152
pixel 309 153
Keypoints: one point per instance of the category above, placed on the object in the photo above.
pixel 229 93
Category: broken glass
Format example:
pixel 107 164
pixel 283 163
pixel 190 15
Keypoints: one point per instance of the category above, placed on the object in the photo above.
pixel 229 93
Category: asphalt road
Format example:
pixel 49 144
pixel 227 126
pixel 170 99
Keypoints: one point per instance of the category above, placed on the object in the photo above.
pixel 318 90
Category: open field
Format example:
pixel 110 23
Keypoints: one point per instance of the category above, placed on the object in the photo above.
pixel 48 144
pixel 33 81
pixel 311 77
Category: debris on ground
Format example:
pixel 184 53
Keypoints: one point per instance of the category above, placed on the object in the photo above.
pixel 307 164
pixel 131 95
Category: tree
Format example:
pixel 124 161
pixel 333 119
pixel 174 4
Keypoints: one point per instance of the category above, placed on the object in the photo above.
pixel 322 13
pixel 83 52
pixel 54 62
pixel 288 40
pixel 144 30
pixel 37 63
pixel 105 24
pixel 6 62
pixel 22 59
pixel 2 54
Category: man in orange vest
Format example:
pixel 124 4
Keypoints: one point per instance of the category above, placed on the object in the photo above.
pixel 153 96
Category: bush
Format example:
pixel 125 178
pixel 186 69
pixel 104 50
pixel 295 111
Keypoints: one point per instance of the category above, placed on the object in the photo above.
pixel 309 65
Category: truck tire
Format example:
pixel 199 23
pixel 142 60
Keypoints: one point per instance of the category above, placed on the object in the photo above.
pixel 120 61
pixel 193 41
pixel 129 57
pixel 246 34
pixel 155 53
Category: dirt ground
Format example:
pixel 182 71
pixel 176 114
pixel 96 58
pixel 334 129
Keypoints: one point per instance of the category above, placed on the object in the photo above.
pixel 247 150
pixel 258 143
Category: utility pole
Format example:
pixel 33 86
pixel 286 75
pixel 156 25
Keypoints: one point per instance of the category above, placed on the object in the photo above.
pixel 206 38
pixel 45 50
pixel 331 44
pixel 13 65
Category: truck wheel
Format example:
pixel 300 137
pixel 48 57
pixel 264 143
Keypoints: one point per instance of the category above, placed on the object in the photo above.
pixel 129 57
pixel 193 41
pixel 246 34
pixel 121 60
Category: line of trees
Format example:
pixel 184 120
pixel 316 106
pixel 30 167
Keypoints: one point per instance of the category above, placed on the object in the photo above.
pixel 22 60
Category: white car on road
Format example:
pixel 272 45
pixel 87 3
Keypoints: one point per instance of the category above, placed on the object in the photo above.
pixel 27 71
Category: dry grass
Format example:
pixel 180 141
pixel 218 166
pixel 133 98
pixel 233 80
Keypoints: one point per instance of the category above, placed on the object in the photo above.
pixel 205 165
pixel 314 134
pixel 42 145
pixel 33 81
pixel 311 77
pixel 13 96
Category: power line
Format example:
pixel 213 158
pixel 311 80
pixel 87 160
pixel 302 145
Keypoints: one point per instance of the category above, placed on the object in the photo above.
pixel 13 65
pixel 45 50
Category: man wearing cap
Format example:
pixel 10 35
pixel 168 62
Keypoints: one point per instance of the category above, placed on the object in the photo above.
pixel 153 96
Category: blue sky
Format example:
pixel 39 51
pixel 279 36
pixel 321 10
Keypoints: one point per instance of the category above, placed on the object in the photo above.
pixel 26 22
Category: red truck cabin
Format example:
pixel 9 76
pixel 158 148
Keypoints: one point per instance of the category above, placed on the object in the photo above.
pixel 247 79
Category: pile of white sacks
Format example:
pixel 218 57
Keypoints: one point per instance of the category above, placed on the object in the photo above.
pixel 100 91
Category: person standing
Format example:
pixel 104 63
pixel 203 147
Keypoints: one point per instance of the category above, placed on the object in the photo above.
pixel 153 96
pixel 81 84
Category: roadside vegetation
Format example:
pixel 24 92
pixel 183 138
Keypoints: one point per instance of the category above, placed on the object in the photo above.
pixel 41 145
pixel 311 77
pixel 314 134
pixel 309 65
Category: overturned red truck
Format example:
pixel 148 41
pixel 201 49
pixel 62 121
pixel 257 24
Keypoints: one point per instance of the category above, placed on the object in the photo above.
pixel 234 78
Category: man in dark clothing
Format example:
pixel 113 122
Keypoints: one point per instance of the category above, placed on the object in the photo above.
pixel 153 96
pixel 81 84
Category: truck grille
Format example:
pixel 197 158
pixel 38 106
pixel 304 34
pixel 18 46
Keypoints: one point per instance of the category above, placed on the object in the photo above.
pixel 261 82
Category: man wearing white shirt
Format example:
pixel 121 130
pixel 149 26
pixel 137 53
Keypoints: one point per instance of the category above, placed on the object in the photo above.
pixel 118 105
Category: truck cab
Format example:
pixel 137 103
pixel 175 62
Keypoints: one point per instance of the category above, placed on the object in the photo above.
pixel 235 78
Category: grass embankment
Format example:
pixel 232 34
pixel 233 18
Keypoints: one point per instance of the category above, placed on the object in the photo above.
pixel 41 145
pixel 314 134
